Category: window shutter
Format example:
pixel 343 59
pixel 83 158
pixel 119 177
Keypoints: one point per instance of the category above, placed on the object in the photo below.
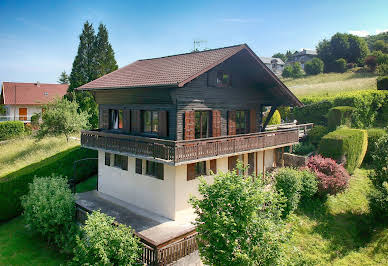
pixel 232 162
pixel 163 124
pixel 160 171
pixel 252 120
pixel 136 121
pixel 139 166
pixel 251 162
pixel 104 118
pixel 124 163
pixel 216 123
pixel 213 166
pixel 190 171
pixel 232 123
pixel 127 121
pixel 189 125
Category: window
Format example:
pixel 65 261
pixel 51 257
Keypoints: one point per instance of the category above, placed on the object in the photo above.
pixel 151 122
pixel 107 158
pixel 201 124
pixel 223 79
pixel 121 161
pixel 155 169
pixel 115 119
pixel 196 169
pixel 139 166
pixel 241 122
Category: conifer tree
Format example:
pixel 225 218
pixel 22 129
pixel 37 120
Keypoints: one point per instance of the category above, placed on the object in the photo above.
pixel 105 57
pixel 63 78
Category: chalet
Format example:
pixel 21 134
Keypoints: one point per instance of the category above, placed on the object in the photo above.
pixel 275 64
pixel 166 121
pixel 22 100
pixel 302 57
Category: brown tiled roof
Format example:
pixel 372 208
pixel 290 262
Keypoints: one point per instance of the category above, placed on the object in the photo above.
pixel 175 70
pixel 31 93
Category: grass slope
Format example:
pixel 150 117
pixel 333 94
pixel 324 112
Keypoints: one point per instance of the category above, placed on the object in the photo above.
pixel 18 153
pixel 340 231
pixel 331 83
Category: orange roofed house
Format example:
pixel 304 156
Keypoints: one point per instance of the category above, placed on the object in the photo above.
pixel 22 100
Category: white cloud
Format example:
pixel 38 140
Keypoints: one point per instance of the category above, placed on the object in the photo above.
pixel 378 31
pixel 361 33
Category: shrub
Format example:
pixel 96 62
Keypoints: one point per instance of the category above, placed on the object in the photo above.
pixel 314 67
pixel 374 134
pixel 275 119
pixel 35 120
pixel 315 134
pixel 102 242
pixel 382 83
pixel 339 115
pixel 49 210
pixel 11 129
pixel 312 113
pixel 371 62
pixel 345 144
pixel 382 70
pixel 245 210
pixel 303 148
pixel 309 184
pixel 332 177
pixel 288 182
pixel 287 72
pixel 340 65
pixel 15 184
pixel 293 71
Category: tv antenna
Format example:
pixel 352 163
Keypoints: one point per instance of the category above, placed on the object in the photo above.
pixel 197 44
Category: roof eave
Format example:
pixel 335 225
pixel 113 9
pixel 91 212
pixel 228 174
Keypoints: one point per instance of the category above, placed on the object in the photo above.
pixel 174 85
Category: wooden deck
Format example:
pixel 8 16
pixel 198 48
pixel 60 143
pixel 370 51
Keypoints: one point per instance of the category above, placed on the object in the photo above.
pixel 178 152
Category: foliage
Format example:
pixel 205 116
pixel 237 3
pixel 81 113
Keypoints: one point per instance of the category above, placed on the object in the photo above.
pixel 95 58
pixel 62 118
pixel 289 184
pixel 332 177
pixel 314 67
pixel 49 210
pixel 315 134
pixel 382 70
pixel 11 129
pixel 284 111
pixel 380 45
pixel 309 184
pixel 3 110
pixel 63 78
pixel 303 148
pixel 339 115
pixel 15 184
pixel 346 145
pixel 379 196
pixel 371 40
pixel 104 242
pixel 281 56
pixel 340 65
pixel 371 62
pixel 287 72
pixel 275 119
pixel 245 210
pixel 293 70
pixel 373 136
pixel 35 120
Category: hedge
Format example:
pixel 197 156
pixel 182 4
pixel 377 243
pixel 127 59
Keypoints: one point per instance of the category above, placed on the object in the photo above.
pixel 15 184
pixel 339 115
pixel 367 104
pixel 382 83
pixel 345 143
pixel 373 135
pixel 11 129
pixel 275 119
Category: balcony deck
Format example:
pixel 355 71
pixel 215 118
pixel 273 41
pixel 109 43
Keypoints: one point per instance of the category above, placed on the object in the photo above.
pixel 184 151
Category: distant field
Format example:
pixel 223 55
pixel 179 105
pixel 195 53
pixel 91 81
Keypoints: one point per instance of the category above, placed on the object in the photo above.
pixel 331 83
pixel 18 153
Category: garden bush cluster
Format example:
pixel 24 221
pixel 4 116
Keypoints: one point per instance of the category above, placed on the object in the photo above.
pixel 315 134
pixel 382 83
pixel 374 134
pixel 11 129
pixel 340 115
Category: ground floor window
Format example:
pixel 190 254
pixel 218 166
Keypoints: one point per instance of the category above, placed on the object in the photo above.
pixel 196 169
pixel 121 162
pixel 107 158
pixel 155 169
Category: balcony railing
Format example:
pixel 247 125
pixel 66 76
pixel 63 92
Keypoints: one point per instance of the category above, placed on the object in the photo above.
pixel 177 152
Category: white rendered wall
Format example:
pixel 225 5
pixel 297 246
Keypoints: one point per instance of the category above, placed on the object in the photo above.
pixel 142 191
pixel 31 110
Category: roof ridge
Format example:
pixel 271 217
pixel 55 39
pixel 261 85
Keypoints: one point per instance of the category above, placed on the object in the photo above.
pixel 194 52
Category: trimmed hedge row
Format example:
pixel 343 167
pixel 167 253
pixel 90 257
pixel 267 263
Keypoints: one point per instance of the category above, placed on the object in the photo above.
pixel 339 115
pixel 15 184
pixel 367 104
pixel 11 129
pixel 382 83
pixel 373 135
pixel 345 143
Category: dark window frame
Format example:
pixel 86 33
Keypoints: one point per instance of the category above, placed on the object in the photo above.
pixel 155 169
pixel 108 157
pixel 153 124
pixel 199 134
pixel 120 161
pixel 200 169
pixel 116 114
pixel 223 79
pixel 241 122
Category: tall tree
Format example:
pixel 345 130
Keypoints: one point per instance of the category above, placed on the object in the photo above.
pixel 281 56
pixel 358 49
pixel 105 56
pixel 63 78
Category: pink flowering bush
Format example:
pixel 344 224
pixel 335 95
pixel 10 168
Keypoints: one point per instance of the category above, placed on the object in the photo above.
pixel 332 177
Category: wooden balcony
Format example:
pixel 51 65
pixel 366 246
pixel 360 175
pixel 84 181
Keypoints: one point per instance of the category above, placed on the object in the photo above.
pixel 178 152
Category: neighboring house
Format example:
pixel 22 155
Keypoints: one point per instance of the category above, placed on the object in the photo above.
pixel 166 121
pixel 302 57
pixel 22 100
pixel 275 64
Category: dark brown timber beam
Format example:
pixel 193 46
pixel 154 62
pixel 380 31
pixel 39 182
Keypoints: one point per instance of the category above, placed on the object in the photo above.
pixel 271 112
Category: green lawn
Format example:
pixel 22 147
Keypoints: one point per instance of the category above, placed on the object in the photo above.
pixel 340 231
pixel 87 185
pixel 331 83
pixel 18 153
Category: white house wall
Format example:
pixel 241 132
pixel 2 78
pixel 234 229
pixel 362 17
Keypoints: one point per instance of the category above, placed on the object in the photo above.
pixel 13 110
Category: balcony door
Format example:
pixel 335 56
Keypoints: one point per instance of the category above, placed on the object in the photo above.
pixel 202 124
pixel 22 114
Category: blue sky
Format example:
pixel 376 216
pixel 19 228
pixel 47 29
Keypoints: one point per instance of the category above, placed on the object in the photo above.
pixel 39 39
